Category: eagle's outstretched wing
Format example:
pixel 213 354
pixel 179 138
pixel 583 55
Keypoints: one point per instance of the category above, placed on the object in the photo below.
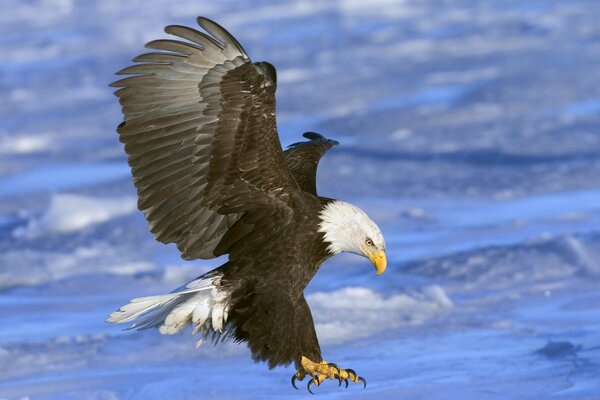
pixel 201 137
pixel 302 159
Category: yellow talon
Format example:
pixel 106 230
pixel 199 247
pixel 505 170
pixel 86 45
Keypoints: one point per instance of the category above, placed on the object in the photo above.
pixel 320 371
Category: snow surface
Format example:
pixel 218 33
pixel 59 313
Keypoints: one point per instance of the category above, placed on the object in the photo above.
pixel 469 131
pixel 71 213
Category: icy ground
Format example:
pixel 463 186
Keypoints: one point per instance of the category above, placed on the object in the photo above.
pixel 470 131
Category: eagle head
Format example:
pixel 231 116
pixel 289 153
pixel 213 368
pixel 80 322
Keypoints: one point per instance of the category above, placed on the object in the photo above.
pixel 347 228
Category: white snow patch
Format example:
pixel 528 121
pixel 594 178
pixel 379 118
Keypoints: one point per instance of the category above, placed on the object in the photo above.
pixel 70 212
pixel 358 312
pixel 24 144
pixel 401 134
pixel 379 8
pixel 293 75
pixel 130 269
pixel 463 76
pixel 269 12
pixel 30 267
pixel 38 11
pixel 179 274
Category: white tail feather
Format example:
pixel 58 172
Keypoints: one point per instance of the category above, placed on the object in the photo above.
pixel 217 319
pixel 201 312
pixel 138 307
pixel 199 302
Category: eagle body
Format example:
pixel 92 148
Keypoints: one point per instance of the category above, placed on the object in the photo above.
pixel 259 288
pixel 201 138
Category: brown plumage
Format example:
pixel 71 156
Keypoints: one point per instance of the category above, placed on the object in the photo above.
pixel 201 138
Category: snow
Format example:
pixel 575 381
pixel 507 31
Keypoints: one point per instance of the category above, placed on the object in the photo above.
pixel 24 144
pixel 468 131
pixel 357 312
pixel 71 212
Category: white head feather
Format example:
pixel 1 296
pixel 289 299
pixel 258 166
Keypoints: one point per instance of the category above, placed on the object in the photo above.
pixel 347 228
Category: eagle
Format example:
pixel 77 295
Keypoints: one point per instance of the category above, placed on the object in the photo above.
pixel 211 176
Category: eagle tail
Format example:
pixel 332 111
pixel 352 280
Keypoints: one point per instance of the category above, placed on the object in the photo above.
pixel 202 303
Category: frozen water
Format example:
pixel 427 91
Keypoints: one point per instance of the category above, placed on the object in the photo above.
pixel 469 131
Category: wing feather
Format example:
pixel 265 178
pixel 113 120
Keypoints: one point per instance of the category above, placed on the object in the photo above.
pixel 200 133
pixel 159 58
pixel 220 33
pixel 194 36
pixel 176 46
pixel 303 158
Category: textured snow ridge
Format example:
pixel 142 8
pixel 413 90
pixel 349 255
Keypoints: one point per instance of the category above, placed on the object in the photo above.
pixel 38 268
pixel 70 212
pixel 358 312
pixel 24 144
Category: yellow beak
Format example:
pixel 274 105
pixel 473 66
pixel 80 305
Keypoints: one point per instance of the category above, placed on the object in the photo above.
pixel 379 261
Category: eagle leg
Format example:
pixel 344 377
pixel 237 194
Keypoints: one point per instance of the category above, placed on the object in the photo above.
pixel 320 371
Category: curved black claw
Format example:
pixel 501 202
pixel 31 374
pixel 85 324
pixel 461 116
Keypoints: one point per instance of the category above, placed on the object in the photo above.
pixel 361 379
pixel 294 382
pixel 308 386
pixel 351 372
pixel 336 376
pixel 346 382
pixel 332 365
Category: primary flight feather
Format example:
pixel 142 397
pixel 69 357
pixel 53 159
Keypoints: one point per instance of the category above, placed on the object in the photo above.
pixel 201 138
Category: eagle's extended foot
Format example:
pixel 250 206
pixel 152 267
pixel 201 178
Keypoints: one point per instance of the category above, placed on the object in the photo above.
pixel 324 370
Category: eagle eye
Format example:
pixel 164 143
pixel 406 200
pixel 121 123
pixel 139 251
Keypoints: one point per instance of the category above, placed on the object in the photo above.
pixel 369 242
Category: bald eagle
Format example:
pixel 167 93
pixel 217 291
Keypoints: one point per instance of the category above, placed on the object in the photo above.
pixel 201 139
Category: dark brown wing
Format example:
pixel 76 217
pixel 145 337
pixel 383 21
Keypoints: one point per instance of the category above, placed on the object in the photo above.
pixel 201 137
pixel 302 159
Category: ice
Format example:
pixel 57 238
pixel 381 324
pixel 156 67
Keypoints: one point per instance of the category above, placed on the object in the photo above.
pixel 468 131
